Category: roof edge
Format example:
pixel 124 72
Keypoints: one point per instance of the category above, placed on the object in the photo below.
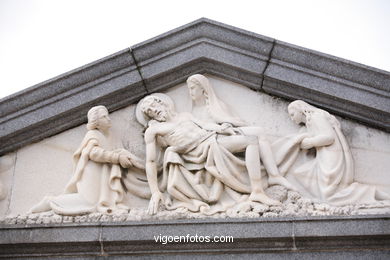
pixel 346 88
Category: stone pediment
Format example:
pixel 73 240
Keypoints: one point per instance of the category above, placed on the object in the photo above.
pixel 45 193
pixel 264 64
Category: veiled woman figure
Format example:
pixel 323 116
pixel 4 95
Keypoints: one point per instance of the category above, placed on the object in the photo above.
pixel 329 175
pixel 96 185
pixel 209 108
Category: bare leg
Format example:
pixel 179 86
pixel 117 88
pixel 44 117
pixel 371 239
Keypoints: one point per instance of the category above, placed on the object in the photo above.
pixel 274 176
pixel 253 166
pixel 267 157
pixel 252 162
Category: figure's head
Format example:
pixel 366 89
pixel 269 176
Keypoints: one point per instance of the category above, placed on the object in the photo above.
pixel 198 86
pixel 298 110
pixel 155 108
pixel 98 118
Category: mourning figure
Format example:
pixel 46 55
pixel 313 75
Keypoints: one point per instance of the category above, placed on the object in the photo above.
pixel 327 174
pixel 96 184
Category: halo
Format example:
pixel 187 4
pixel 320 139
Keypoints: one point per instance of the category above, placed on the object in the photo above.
pixel 142 118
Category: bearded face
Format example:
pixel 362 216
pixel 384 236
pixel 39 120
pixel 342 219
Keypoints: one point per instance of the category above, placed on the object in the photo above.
pixel 155 109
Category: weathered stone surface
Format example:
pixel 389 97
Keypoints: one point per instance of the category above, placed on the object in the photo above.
pixel 45 167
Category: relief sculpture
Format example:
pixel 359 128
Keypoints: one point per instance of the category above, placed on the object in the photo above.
pixel 328 176
pixel 96 184
pixel 199 161
pixel 212 162
pixel 208 107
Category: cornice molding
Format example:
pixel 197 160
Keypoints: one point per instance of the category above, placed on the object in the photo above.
pixel 343 87
pixel 310 237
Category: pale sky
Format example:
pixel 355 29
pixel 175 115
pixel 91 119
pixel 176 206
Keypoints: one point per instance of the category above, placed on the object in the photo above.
pixel 40 39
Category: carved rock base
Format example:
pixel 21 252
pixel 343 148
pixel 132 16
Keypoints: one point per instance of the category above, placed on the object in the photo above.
pixel 293 206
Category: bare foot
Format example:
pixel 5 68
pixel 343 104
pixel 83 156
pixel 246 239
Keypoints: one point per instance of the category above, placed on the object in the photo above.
pixel 261 197
pixel 279 180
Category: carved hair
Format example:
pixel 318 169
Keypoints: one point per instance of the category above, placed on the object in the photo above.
pixel 93 116
pixel 308 111
pixel 216 108
pixel 142 106
pixel 148 101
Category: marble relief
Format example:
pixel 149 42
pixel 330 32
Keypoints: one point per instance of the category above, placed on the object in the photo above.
pixel 97 184
pixel 210 162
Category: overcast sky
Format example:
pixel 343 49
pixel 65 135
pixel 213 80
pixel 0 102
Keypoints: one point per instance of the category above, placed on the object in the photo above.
pixel 40 39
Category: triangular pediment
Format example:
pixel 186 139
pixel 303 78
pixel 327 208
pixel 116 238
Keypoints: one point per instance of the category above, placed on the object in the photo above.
pixel 263 64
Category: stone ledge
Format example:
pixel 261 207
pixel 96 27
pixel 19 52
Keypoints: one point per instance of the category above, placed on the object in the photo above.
pixel 274 237
pixel 345 88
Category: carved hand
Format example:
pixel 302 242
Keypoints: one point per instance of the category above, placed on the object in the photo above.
pixel 155 202
pixel 134 160
pixel 124 161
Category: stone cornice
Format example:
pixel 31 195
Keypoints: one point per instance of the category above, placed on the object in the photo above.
pixel 307 238
pixel 345 88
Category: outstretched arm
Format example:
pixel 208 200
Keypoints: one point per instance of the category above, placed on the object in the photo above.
pixel 133 159
pixel 101 155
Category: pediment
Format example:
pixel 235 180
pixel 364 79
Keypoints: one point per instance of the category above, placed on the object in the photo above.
pixel 260 63
pixel 40 171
